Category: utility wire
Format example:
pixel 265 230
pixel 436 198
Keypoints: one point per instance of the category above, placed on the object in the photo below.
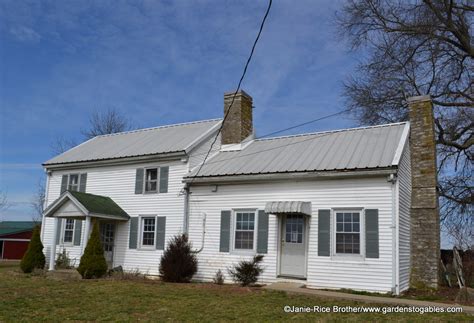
pixel 311 137
pixel 238 86
pixel 290 128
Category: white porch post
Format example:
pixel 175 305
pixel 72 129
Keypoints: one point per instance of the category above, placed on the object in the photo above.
pixel 87 230
pixel 52 255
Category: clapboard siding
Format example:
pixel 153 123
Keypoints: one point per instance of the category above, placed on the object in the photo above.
pixel 404 185
pixel 118 182
pixel 373 274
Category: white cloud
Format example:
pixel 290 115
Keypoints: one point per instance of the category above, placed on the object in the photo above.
pixel 25 34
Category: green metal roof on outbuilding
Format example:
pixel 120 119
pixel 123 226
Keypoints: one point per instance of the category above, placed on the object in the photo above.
pixel 11 227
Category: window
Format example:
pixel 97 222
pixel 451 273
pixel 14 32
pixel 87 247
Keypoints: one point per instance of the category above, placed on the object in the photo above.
pixel 68 230
pixel 73 184
pixel 151 180
pixel 148 231
pixel 244 230
pixel 294 228
pixel 347 232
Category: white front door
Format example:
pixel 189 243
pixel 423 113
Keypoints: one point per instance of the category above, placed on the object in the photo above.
pixel 107 237
pixel 293 246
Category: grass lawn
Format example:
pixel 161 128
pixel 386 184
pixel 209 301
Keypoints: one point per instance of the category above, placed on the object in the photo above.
pixel 33 298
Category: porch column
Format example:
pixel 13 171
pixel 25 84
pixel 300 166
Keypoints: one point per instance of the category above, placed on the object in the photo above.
pixel 52 255
pixel 87 230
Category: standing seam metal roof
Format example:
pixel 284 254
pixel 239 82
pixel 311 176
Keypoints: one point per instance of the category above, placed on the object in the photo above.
pixel 150 141
pixel 348 149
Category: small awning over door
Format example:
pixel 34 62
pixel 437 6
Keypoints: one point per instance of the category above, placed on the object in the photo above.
pixel 284 207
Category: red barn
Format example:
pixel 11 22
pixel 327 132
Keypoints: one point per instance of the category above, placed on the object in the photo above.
pixel 14 238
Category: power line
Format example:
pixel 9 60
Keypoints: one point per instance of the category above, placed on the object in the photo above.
pixel 238 86
pixel 304 123
pixel 312 137
pixel 291 127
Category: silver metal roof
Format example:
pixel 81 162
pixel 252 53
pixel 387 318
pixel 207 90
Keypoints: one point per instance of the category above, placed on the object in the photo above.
pixel 281 207
pixel 150 141
pixel 349 149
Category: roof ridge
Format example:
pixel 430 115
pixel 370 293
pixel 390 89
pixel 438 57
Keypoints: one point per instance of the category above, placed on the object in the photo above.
pixel 158 127
pixel 333 131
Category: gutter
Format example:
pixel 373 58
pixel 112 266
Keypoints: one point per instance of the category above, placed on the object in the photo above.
pixel 116 161
pixel 290 176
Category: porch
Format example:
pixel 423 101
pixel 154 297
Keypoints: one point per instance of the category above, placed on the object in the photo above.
pixel 73 207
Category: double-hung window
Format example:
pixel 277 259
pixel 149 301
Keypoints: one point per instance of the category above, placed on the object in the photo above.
pixel 347 232
pixel 73 184
pixel 244 230
pixel 68 230
pixel 148 231
pixel 151 180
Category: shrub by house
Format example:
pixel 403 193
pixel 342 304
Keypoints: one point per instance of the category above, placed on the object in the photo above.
pixel 246 272
pixel 93 264
pixel 178 263
pixel 34 257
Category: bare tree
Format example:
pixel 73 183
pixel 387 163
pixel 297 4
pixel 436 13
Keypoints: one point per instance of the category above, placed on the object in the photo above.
pixel 37 203
pixel 100 123
pixel 62 144
pixel 418 48
pixel 4 205
pixel 106 122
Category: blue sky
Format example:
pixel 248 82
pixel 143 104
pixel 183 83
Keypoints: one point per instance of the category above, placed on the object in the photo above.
pixel 158 62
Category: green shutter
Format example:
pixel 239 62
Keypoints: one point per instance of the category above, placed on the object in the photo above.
pixel 372 233
pixel 64 184
pixel 82 182
pixel 139 181
pixel 133 237
pixel 225 232
pixel 324 224
pixel 262 234
pixel 58 233
pixel 160 232
pixel 164 173
pixel 77 232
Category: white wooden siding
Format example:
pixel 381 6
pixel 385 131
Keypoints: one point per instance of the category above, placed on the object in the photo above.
pixel 118 182
pixel 323 272
pixel 404 185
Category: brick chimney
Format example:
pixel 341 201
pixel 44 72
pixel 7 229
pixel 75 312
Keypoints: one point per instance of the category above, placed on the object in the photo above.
pixel 238 124
pixel 425 231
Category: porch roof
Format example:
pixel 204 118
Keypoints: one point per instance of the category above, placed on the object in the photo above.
pixel 79 204
pixel 284 207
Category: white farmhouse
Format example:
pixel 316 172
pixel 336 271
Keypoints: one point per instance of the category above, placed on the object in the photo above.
pixel 332 209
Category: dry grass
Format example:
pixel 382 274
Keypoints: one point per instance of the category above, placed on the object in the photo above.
pixel 33 298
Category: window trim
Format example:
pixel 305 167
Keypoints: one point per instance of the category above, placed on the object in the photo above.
pixel 69 181
pixel 141 227
pixel 354 256
pixel 63 231
pixel 157 180
pixel 234 227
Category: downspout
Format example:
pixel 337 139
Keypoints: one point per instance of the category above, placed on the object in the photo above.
pixel 395 279
pixel 186 209
pixel 187 193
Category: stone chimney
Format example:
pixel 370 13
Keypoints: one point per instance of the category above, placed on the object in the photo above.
pixel 238 124
pixel 425 231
